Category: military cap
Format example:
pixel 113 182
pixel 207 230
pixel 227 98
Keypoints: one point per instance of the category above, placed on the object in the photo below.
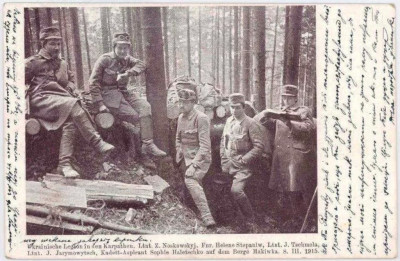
pixel 290 90
pixel 121 38
pixel 186 85
pixel 236 98
pixel 48 33
pixel 187 95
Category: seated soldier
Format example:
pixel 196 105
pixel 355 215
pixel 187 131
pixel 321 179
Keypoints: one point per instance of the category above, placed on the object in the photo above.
pixel 52 100
pixel 108 86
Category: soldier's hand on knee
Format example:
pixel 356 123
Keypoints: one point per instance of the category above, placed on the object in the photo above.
pixel 190 171
pixel 122 77
pixel 103 108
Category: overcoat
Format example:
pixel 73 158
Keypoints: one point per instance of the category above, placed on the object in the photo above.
pixel 293 158
pixel 50 86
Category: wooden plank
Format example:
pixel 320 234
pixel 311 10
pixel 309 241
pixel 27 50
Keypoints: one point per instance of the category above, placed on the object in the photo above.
pixel 43 226
pixel 55 195
pixel 158 183
pixel 98 188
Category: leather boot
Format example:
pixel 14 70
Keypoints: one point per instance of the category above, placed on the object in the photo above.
pixel 88 132
pixel 149 148
pixel 146 131
pixel 66 150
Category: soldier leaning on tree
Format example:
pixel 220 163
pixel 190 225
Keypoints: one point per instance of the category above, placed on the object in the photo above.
pixel 108 86
pixel 53 102
pixel 240 145
pixel 193 151
pixel 293 160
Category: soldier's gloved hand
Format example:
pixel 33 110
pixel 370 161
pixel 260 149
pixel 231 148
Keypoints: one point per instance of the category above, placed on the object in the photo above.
pixel 103 108
pixel 122 77
pixel 190 171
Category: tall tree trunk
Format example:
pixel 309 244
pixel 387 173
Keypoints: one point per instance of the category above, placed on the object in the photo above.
pixel 188 42
pixel 49 17
pixel 110 35
pixel 236 84
pixel 86 41
pixel 61 30
pixel 104 29
pixel 174 44
pixel 123 13
pixel 64 10
pixel 199 44
pixel 77 46
pixel 37 25
pixel 217 54
pixel 155 78
pixel 213 49
pixel 230 49
pixel 259 44
pixel 138 13
pixel 271 94
pixel 292 44
pixel 166 49
pixel 27 34
pixel 223 51
pixel 246 53
pixel 130 26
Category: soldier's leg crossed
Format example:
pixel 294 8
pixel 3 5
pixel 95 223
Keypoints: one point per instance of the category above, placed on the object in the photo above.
pixel 237 190
pixel 196 191
pixel 143 108
pixel 84 124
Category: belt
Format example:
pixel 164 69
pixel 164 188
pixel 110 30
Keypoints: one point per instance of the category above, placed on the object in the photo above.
pixel 113 87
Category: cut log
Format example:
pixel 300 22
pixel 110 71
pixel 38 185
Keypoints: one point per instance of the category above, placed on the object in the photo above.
pixel 55 195
pixel 83 219
pixel 159 184
pixel 109 191
pixel 43 226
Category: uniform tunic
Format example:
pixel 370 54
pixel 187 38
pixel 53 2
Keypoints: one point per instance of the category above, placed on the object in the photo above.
pixel 240 140
pixel 193 143
pixel 50 85
pixel 104 86
pixel 293 159
pixel 193 146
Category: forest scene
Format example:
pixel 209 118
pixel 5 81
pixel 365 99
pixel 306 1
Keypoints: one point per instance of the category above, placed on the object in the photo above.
pixel 253 50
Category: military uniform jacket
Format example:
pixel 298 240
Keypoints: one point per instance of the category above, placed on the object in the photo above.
pixel 241 141
pixel 50 84
pixel 103 80
pixel 292 152
pixel 193 143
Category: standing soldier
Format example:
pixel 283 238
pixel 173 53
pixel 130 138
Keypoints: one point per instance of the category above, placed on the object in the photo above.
pixel 241 144
pixel 108 86
pixel 193 151
pixel 293 160
pixel 54 103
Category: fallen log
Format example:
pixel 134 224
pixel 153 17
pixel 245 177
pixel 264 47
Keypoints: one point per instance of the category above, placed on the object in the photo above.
pixel 43 226
pixel 83 219
pixel 108 191
pixel 55 194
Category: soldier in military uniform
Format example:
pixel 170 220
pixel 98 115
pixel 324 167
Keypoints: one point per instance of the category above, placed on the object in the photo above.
pixel 241 144
pixel 193 150
pixel 53 103
pixel 108 86
pixel 293 160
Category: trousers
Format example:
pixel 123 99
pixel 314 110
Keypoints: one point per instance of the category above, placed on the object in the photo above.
pixel 194 185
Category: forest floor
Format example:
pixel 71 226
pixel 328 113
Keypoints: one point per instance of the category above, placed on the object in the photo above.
pixel 166 214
